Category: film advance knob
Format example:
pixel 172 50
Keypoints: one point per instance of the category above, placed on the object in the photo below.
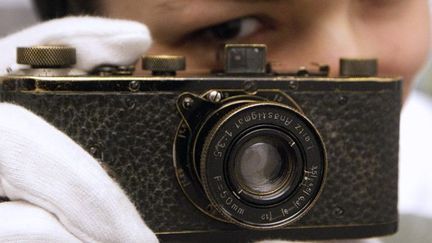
pixel 164 65
pixel 46 56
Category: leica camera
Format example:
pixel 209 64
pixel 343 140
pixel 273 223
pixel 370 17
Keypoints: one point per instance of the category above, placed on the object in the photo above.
pixel 239 154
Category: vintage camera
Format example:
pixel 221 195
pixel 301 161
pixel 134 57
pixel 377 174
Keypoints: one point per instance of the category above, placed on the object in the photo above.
pixel 236 155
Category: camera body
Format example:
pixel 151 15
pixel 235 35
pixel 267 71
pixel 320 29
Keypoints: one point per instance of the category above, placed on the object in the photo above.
pixel 196 154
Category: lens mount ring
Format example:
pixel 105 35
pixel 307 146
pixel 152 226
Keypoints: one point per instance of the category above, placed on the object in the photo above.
pixel 215 158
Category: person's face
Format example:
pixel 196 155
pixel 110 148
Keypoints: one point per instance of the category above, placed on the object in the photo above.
pixel 297 32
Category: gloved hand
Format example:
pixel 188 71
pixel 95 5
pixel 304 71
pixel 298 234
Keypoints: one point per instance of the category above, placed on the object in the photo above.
pixel 97 40
pixel 58 192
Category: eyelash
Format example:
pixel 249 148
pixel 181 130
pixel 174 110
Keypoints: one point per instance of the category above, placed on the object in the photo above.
pixel 231 30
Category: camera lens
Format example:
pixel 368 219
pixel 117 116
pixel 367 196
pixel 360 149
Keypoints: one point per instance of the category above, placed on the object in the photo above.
pixel 261 165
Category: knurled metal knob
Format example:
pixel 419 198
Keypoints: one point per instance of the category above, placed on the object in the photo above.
pixel 164 63
pixel 46 56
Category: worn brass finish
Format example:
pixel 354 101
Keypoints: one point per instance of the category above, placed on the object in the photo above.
pixel 245 59
pixel 46 56
pixel 164 63
pixel 358 67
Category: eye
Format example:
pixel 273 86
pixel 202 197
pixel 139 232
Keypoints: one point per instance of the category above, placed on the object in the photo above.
pixel 231 30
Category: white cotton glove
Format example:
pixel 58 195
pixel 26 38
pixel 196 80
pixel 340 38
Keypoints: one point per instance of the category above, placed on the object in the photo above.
pixel 58 192
pixel 97 41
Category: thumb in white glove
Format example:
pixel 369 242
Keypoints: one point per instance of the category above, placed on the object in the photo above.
pixel 58 191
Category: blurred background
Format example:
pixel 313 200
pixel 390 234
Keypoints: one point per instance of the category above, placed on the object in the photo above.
pixel 16 15
pixel 424 83
pixel 19 14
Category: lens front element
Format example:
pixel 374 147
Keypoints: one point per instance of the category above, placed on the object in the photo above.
pixel 263 165
pixel 259 167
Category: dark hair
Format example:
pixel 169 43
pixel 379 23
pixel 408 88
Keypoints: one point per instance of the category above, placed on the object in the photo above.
pixel 50 9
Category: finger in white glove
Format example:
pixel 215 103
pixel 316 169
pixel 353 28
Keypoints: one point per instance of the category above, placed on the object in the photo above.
pixel 97 41
pixel 33 224
pixel 41 165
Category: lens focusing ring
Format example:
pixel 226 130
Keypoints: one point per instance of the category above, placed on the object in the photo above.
pixel 284 207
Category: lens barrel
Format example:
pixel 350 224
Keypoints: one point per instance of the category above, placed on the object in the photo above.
pixel 262 165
